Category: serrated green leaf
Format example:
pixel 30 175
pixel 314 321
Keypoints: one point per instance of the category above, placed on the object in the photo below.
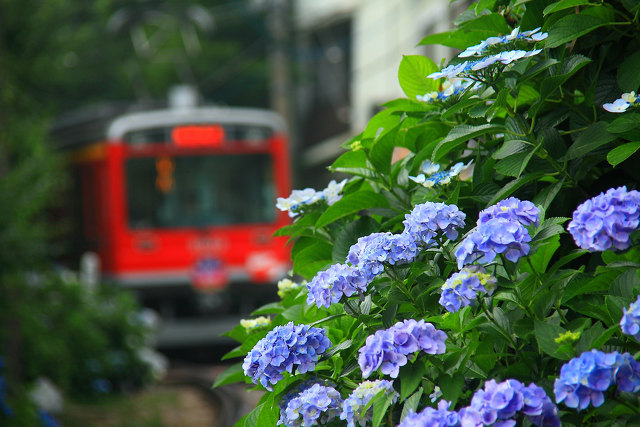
pixel 564 4
pixel 594 136
pixel 571 27
pixel 622 152
pixel 380 405
pixel 461 134
pixel 412 75
pixel 411 404
pixel 512 186
pixel 350 204
pixel 625 123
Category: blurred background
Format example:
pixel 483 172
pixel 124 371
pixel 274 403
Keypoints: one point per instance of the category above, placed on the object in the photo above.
pixel 83 339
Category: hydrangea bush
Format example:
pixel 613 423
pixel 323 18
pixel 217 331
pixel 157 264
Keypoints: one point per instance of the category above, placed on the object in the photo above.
pixel 491 275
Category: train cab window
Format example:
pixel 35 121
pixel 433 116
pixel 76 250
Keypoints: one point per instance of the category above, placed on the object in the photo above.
pixel 197 191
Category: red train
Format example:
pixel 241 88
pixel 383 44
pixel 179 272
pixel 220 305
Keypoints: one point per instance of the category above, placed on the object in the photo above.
pixel 179 205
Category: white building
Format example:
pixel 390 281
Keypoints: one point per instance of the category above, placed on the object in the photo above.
pixel 348 57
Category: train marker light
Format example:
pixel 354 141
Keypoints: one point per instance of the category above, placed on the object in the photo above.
pixel 198 136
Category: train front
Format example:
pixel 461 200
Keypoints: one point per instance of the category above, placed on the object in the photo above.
pixel 193 196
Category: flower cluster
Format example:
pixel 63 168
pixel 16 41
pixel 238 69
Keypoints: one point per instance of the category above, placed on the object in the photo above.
pixel 353 406
pixel 621 104
pixel 607 220
pixel 441 417
pixel 500 403
pixel 630 322
pixel 491 51
pixel 425 220
pixel 431 176
pixel 257 323
pixel 462 288
pixel 584 379
pixel 287 285
pixel 369 255
pixel 388 349
pixel 449 89
pixel 500 230
pixel 298 199
pixel 282 348
pixel 317 404
pixel 328 286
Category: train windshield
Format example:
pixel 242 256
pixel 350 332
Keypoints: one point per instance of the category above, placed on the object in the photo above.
pixel 197 191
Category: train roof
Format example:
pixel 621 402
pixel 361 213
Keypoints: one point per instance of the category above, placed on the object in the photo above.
pixel 112 122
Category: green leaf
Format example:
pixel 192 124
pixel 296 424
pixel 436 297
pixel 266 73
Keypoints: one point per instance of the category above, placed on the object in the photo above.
pixel 546 196
pixel 546 333
pixel 309 260
pixel 625 123
pixel 350 234
pixel 380 405
pixel 350 204
pixel 622 152
pixel 232 374
pixel 451 386
pixel 564 4
pixel 624 284
pixel 512 186
pixel 594 136
pixel 410 377
pixel 511 147
pixel 571 27
pixel 628 76
pixel 381 151
pixel 350 159
pixel 461 134
pixel 411 404
pixel 412 75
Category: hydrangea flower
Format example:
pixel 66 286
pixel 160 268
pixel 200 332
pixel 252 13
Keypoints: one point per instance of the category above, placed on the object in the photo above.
pixel 426 219
pixel 462 288
pixel 496 236
pixel 441 417
pixel 315 405
pixel 584 379
pixel 523 211
pixel 500 403
pixel 371 252
pixel 283 348
pixel 298 199
pixel 630 322
pixel 287 285
pixel 607 220
pixel 328 286
pixel 388 349
pixel 430 175
pixel 353 406
pixel 257 323
pixel 449 89
pixel 621 104
pixel 491 51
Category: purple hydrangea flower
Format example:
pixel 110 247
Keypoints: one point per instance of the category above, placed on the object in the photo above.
pixel 495 236
pixel 500 403
pixel 353 406
pixel 283 348
pixel 607 220
pixel 425 220
pixel 630 322
pixel 317 404
pixel 523 211
pixel 388 349
pixel 328 286
pixel 293 393
pixel 462 288
pixel 371 252
pixel 441 417
pixel 584 379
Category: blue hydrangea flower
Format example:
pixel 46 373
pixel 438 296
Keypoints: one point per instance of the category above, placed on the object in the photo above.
pixel 621 104
pixel 297 200
pixel 431 176
pixel 523 211
pixel 607 220
pixel 328 286
pixel 584 379
pixel 441 417
pixel 449 89
pixel 630 322
pixel 353 406
pixel 462 288
pixel 425 221
pixel 500 403
pixel 388 349
pixel 496 236
pixel 284 348
pixel 315 405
